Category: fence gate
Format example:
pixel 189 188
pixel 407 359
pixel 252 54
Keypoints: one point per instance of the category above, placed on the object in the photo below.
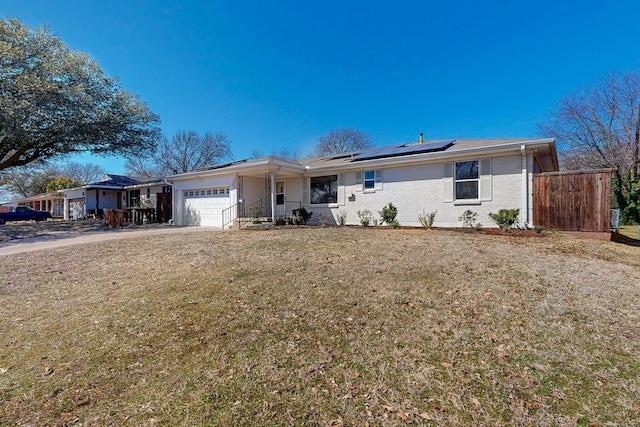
pixel 573 200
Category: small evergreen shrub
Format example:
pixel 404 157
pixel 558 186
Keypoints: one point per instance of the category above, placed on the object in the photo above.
pixel 342 217
pixel 388 215
pixel 300 216
pixel 365 217
pixel 505 218
pixel 255 212
pixel 469 219
pixel 426 219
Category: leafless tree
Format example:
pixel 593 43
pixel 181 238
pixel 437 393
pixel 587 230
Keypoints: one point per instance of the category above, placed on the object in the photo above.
pixel 186 151
pixel 82 172
pixel 343 140
pixel 598 126
pixel 27 180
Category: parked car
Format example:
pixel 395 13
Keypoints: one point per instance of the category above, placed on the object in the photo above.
pixel 24 213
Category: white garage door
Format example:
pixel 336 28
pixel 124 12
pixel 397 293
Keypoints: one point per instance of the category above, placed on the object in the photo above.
pixel 204 207
pixel 76 209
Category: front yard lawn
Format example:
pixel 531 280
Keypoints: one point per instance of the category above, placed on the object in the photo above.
pixel 322 326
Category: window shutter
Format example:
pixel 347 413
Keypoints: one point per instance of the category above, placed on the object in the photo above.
pixel 485 179
pixel 447 181
pixel 341 189
pixel 378 185
pixel 305 191
pixel 359 181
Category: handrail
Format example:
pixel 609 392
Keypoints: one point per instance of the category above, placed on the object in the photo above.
pixel 229 214
pixel 248 212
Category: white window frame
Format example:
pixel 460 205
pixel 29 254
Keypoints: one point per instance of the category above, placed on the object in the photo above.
pixel 456 180
pixel 485 182
pixel 375 178
pixel 337 180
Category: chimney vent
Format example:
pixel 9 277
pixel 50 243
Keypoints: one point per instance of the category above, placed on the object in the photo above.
pixel 421 140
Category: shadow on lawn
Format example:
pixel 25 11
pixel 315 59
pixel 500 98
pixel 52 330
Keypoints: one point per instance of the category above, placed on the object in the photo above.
pixel 625 240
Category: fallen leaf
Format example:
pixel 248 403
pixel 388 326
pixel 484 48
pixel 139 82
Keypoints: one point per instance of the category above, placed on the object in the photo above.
pixel 426 416
pixel 336 422
pixel 437 407
pixel 404 417
pixel 446 365
pixel 476 403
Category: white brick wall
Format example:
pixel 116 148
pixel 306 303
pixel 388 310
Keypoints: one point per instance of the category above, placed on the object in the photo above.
pixel 415 188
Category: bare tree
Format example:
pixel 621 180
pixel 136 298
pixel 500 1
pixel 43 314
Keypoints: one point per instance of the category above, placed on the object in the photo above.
pixel 599 127
pixel 186 151
pixel 85 173
pixel 343 140
pixel 256 154
pixel 284 153
pixel 27 180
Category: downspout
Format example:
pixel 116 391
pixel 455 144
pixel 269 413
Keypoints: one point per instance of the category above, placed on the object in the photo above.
pixel 273 198
pixel 525 193
pixel 173 200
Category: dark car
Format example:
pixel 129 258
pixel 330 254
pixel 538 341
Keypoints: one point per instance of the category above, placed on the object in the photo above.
pixel 24 213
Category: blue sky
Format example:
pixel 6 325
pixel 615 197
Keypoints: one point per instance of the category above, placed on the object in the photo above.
pixel 276 75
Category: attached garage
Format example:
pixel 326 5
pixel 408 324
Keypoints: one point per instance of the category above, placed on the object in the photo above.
pixel 76 209
pixel 204 206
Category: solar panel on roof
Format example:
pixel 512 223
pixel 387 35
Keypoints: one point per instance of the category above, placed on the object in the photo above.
pixel 404 150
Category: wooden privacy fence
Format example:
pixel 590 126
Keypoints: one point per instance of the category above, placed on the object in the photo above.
pixel 573 200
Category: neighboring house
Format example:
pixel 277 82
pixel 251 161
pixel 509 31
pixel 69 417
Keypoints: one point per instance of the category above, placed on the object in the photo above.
pixel 52 201
pixel 447 176
pixel 110 192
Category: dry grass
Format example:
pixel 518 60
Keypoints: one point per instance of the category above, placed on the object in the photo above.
pixel 322 326
pixel 27 229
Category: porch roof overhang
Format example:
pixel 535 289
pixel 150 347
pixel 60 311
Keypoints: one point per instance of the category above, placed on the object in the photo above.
pixel 52 195
pixel 279 166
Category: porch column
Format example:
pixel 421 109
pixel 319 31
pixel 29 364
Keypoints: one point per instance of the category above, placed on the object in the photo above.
pixel 273 198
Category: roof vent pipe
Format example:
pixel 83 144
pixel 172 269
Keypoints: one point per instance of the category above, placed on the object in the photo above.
pixel 421 140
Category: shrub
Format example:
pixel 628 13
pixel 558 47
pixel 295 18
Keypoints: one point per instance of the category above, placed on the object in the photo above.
pixel 342 217
pixel 388 215
pixel 323 219
pixel 255 212
pixel 426 219
pixel 300 216
pixel 505 218
pixel 469 219
pixel 365 217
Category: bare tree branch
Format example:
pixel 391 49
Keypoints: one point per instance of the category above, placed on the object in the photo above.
pixel 343 140
pixel 186 151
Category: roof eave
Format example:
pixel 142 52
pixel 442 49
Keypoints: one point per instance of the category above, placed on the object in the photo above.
pixel 254 164
pixel 443 155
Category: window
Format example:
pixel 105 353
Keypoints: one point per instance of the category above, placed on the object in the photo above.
pixel 323 189
pixel 134 197
pixel 467 180
pixel 369 179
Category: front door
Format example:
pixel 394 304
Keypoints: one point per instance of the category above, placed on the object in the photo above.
pixel 280 210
